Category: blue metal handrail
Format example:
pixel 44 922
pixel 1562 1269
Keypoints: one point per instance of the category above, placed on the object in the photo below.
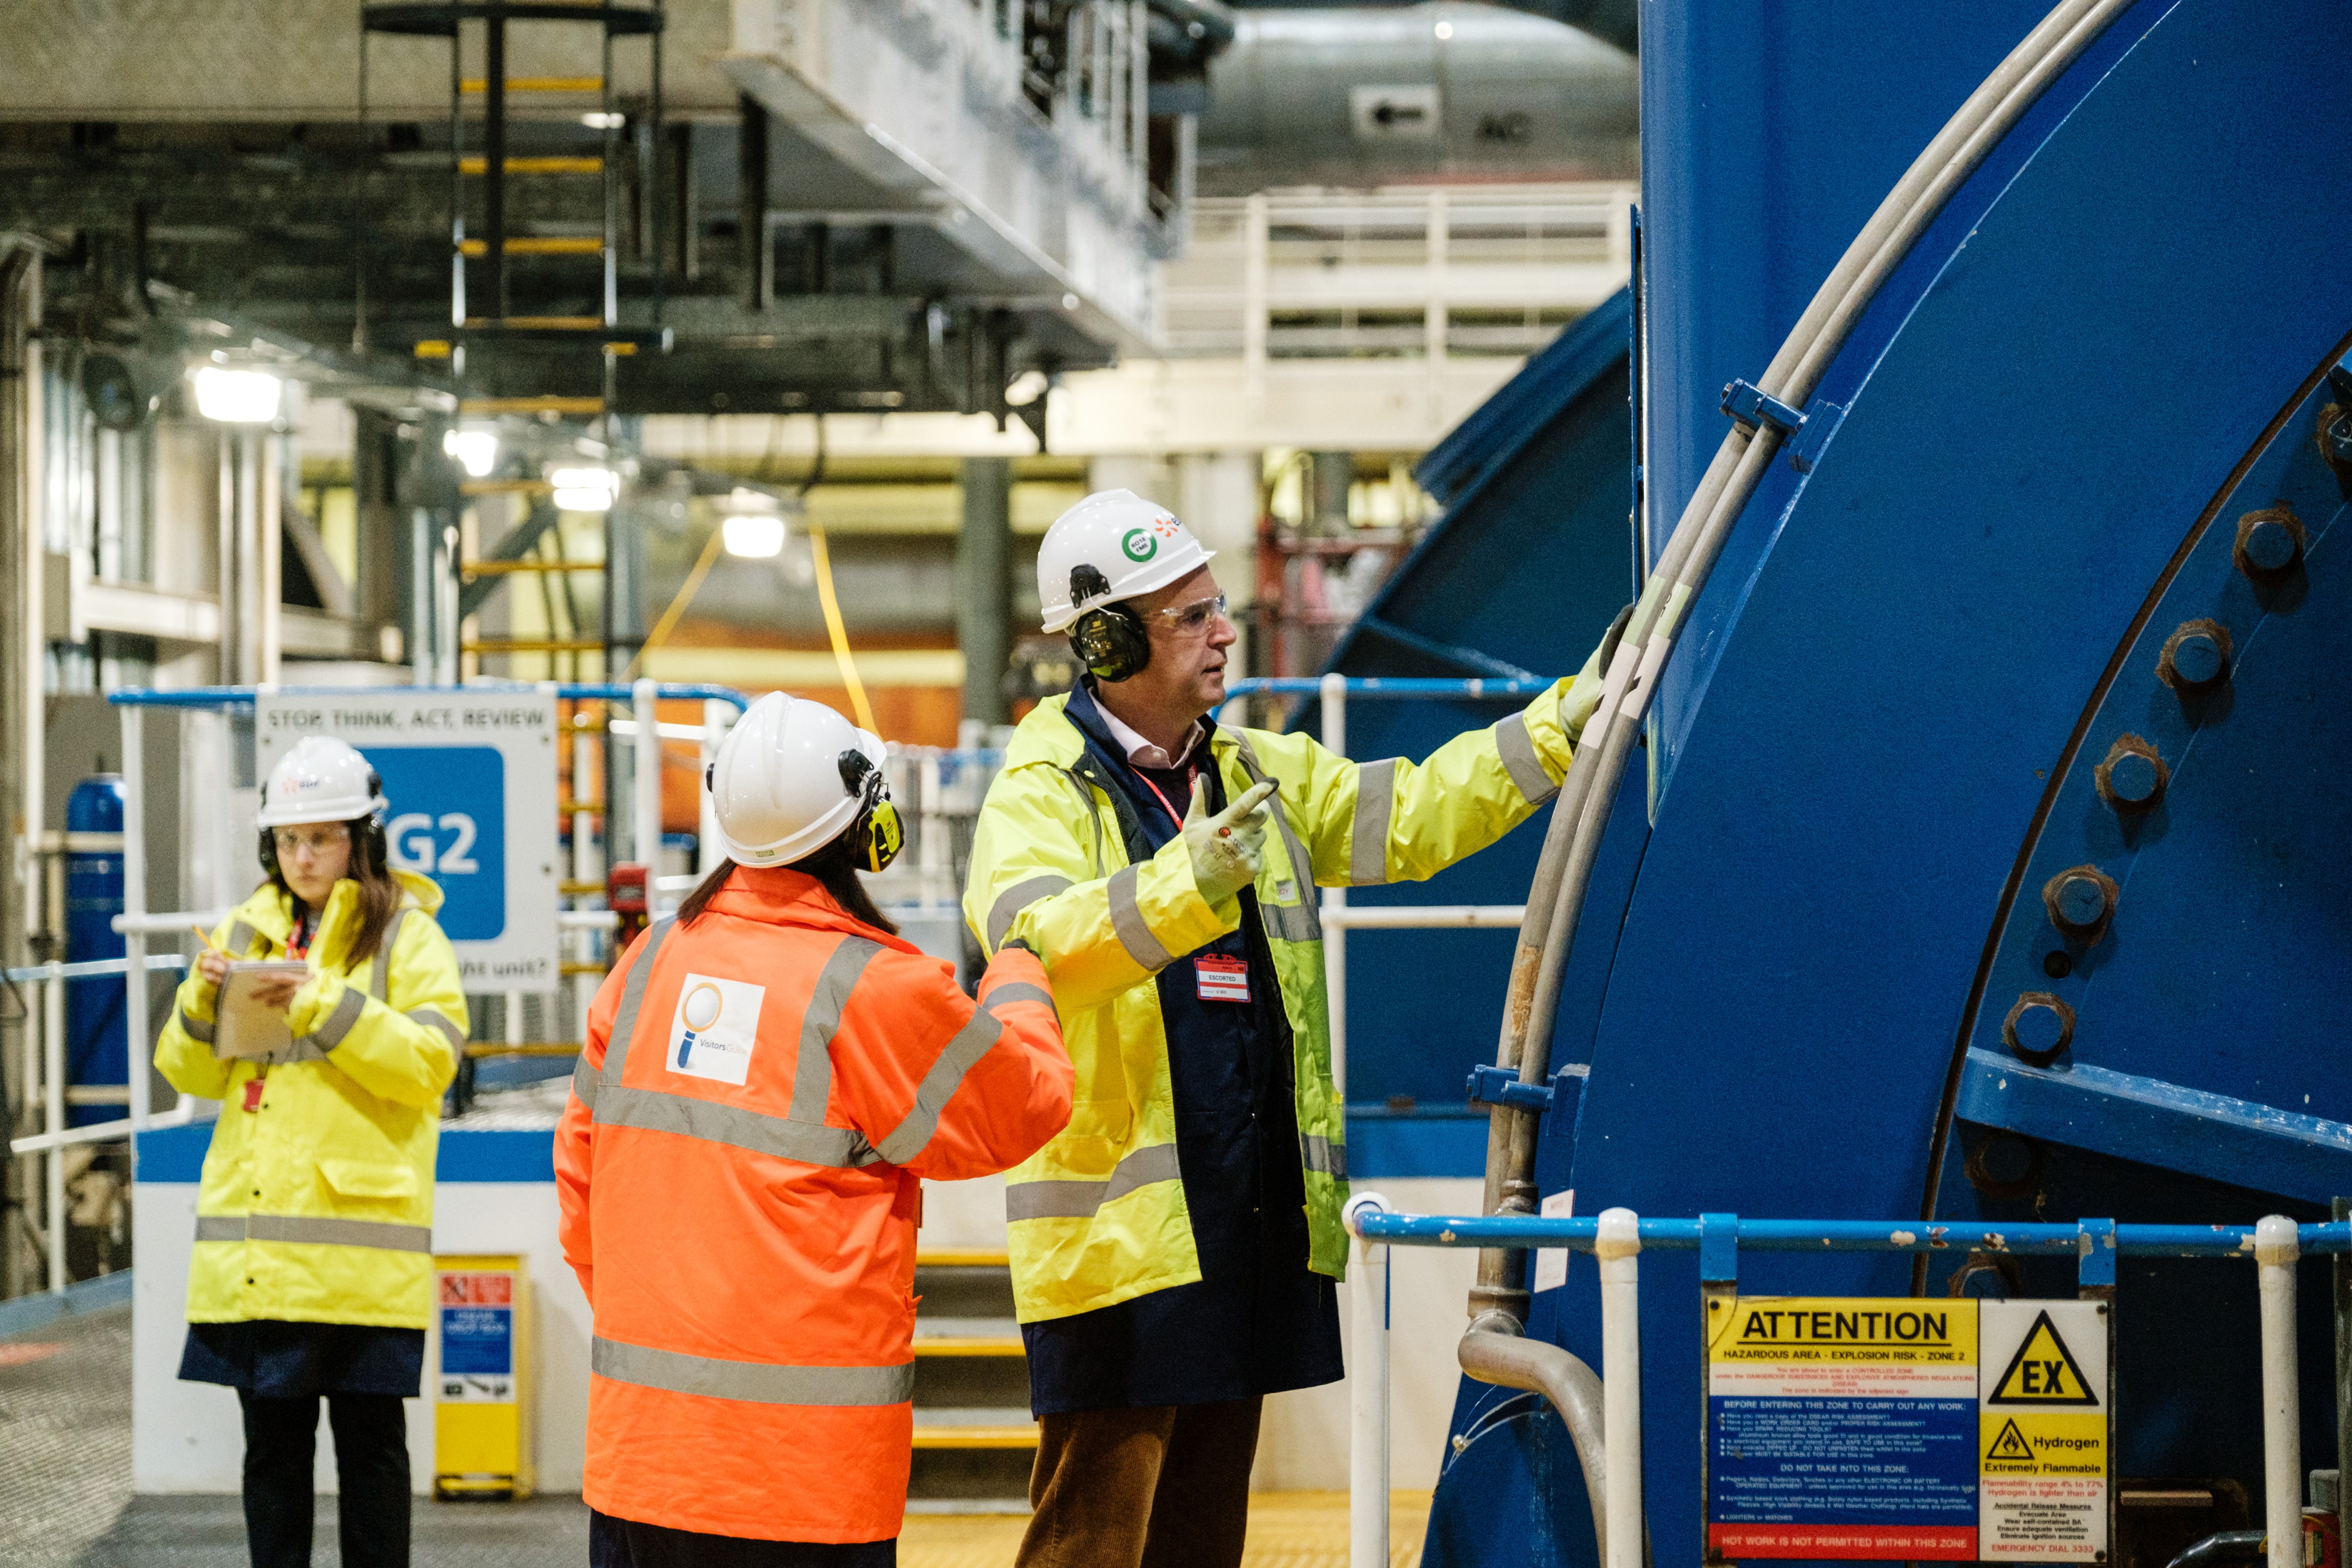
pixel 233 699
pixel 2032 1239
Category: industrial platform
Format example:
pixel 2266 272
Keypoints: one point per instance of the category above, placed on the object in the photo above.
pixel 66 1499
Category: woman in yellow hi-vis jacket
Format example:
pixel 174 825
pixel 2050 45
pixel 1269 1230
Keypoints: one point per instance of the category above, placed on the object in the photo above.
pixel 312 1270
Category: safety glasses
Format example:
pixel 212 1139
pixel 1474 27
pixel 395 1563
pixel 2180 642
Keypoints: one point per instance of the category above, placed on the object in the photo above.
pixel 320 841
pixel 1193 619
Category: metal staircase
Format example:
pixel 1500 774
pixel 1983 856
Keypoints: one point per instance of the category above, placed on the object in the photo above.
pixel 974 1439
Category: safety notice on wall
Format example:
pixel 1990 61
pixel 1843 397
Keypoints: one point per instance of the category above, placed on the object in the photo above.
pixel 1842 1428
pixel 1905 1429
pixel 2043 1431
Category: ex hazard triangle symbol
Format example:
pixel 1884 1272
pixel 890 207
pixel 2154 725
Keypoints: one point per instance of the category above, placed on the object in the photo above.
pixel 2009 1445
pixel 2042 1371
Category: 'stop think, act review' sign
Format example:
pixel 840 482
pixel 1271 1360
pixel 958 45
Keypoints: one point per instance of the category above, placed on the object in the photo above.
pixel 470 781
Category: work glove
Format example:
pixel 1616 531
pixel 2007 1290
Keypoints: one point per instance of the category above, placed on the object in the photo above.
pixel 1228 847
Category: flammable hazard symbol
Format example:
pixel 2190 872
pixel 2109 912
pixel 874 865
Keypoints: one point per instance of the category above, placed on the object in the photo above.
pixel 2042 1373
pixel 2010 1444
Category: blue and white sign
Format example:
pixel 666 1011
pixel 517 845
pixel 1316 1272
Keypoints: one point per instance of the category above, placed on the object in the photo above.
pixel 470 780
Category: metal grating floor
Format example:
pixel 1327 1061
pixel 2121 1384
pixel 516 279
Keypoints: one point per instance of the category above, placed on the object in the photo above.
pixel 66 1499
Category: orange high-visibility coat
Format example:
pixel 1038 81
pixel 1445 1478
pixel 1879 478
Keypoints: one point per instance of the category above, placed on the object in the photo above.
pixel 736 1164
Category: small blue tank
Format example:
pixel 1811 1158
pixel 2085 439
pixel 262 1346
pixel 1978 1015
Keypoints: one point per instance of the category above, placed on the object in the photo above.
pixel 97 1042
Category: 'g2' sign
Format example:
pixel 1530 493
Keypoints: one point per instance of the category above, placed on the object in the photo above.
pixel 447 821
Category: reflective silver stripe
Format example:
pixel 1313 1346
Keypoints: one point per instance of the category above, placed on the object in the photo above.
pixel 585 1080
pixel 196 1028
pixel 1014 991
pixel 239 941
pixel 1368 847
pixel 306 1049
pixel 632 995
pixel 654 1110
pixel 1016 898
pixel 1093 815
pixel 813 1069
pixel 330 1035
pixel 1291 922
pixel 320 1231
pixel 1079 1200
pixel 1322 1155
pixel 220 1228
pixel 433 1019
pixel 1519 760
pixel 380 977
pixel 750 1382
pixel 1126 919
pixel 939 1085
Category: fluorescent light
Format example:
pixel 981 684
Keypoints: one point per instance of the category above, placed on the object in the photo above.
pixel 1444 31
pixel 595 121
pixel 755 535
pixel 584 489
pixel 238 396
pixel 476 451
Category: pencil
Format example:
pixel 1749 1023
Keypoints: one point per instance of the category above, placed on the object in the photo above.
pixel 205 937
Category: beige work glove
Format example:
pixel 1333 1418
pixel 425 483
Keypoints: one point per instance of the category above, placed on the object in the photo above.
pixel 1228 847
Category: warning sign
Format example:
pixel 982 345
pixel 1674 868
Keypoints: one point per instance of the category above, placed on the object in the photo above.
pixel 1842 1428
pixel 2044 1428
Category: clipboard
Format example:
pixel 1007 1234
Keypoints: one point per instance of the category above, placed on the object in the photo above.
pixel 244 1029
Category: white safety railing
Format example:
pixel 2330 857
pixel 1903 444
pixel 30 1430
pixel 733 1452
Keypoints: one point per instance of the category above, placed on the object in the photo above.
pixel 1617 1237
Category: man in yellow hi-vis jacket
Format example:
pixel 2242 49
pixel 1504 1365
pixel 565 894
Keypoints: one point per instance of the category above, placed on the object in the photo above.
pixel 1174 1250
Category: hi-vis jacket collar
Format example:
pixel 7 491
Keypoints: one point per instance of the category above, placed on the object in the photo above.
pixel 777 896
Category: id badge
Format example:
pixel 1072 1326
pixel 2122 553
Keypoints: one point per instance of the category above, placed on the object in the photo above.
pixel 1221 978
pixel 253 1088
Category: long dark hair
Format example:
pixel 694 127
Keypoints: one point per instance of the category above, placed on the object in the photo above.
pixel 379 893
pixel 832 867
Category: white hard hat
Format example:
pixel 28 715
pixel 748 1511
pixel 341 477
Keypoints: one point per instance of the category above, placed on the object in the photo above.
pixel 777 786
pixel 1135 545
pixel 321 779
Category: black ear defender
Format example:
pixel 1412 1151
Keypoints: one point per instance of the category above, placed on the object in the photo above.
pixel 877 834
pixel 1109 639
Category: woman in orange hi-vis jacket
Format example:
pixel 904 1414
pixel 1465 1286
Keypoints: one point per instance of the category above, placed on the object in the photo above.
pixel 766 1076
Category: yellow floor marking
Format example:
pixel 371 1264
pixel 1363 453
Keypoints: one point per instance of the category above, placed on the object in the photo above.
pixel 1288 1530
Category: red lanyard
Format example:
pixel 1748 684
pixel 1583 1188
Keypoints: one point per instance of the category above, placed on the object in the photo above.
pixel 1154 788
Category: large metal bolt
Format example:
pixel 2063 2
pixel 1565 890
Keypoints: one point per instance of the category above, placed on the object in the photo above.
pixel 2038 1028
pixel 2080 901
pixel 2195 656
pixel 2269 542
pixel 2133 776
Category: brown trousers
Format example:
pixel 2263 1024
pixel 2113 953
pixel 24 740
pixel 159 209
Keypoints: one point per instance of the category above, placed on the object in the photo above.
pixel 1155 1487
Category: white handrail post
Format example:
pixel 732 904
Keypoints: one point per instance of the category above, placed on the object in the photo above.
pixel 706 852
pixel 932 854
pixel 1367 1395
pixel 53 1096
pixel 2276 1247
pixel 645 777
pixel 1335 935
pixel 1618 1248
pixel 139 1043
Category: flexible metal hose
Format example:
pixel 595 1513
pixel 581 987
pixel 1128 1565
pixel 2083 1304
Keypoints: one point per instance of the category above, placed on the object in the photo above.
pixel 1581 815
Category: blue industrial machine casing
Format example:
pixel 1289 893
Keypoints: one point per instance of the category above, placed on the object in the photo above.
pixel 1882 736
pixel 96 1047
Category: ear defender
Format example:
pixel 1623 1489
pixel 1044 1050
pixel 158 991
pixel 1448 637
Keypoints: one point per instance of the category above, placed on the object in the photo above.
pixel 1110 640
pixel 877 834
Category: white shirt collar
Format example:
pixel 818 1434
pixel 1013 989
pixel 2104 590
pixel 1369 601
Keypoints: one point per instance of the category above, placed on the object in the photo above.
pixel 1140 751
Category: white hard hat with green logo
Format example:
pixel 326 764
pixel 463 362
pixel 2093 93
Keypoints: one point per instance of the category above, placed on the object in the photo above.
pixel 1133 544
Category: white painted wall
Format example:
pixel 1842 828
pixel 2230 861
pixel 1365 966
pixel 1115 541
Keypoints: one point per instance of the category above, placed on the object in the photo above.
pixel 187 1437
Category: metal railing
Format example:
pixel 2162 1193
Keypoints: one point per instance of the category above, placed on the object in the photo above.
pixel 1617 1237
pixel 1333 692
pixel 44 1085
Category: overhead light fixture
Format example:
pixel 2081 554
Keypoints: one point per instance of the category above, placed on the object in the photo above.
pixel 476 450
pixel 584 489
pixel 595 120
pixel 1444 31
pixel 238 396
pixel 754 535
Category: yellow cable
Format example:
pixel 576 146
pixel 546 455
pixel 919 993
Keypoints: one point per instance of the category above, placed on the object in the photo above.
pixel 840 637
pixel 686 592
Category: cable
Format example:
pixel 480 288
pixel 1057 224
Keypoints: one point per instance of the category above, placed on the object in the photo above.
pixel 678 605
pixel 1581 815
pixel 833 630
